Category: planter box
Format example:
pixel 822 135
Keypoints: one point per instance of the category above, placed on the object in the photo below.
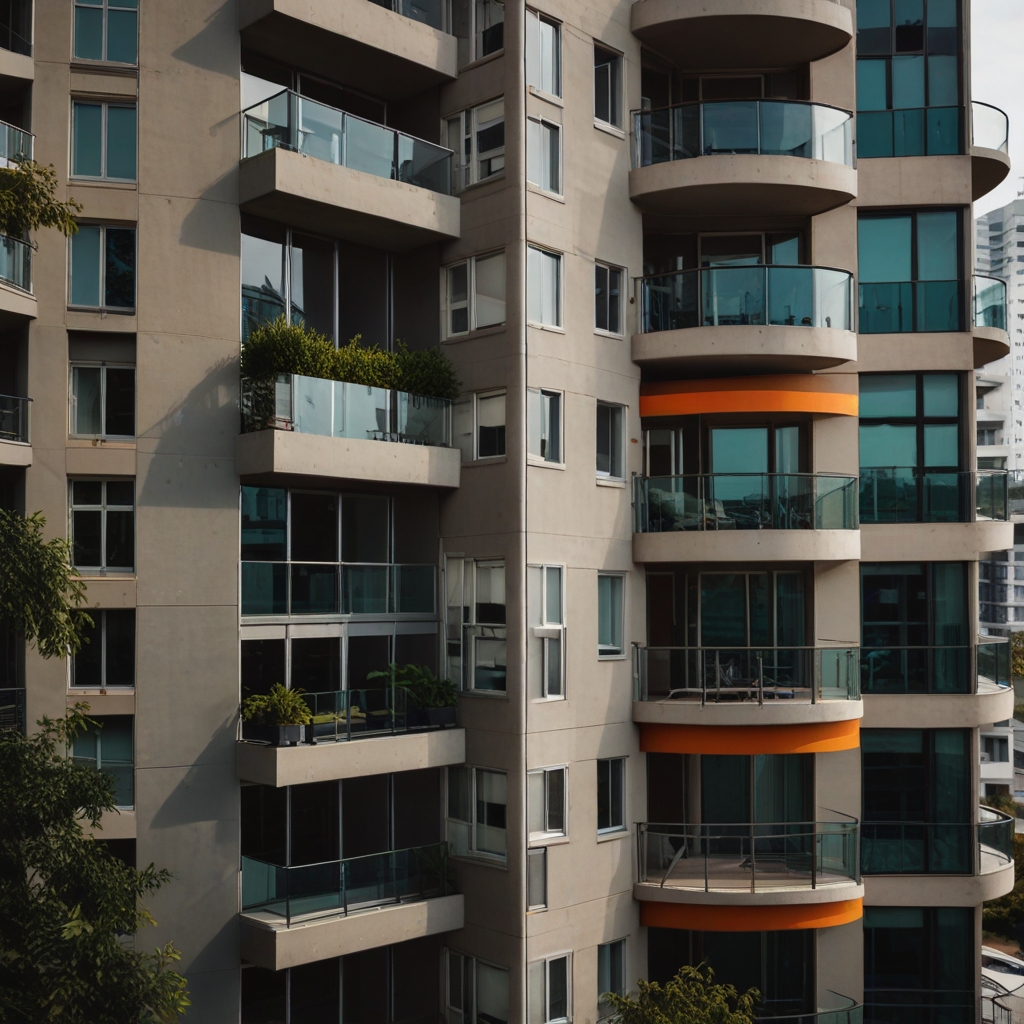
pixel 275 735
pixel 430 718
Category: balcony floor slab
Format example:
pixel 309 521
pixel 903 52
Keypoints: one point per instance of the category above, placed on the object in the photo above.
pixel 913 542
pixel 938 710
pixel 15 453
pixel 739 713
pixel 833 890
pixel 16 307
pixel 748 546
pixel 935 890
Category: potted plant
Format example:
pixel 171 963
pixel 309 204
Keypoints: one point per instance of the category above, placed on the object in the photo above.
pixel 433 701
pixel 278 716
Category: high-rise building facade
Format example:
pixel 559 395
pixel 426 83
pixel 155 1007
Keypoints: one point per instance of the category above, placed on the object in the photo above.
pixel 698 544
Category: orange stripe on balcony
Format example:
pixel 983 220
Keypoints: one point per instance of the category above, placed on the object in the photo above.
pixel 816 393
pixel 790 917
pixel 812 738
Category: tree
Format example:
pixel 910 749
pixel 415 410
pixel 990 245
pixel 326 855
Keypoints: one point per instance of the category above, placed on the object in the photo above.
pixel 1017 656
pixel 691 997
pixel 1003 915
pixel 28 200
pixel 40 591
pixel 66 903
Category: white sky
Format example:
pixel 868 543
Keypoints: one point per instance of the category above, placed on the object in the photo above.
pixel 997 77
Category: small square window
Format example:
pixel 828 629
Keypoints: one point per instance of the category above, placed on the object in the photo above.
pixel 546 796
pixel 609 615
pixel 611 816
pixel 102 268
pixel 610 419
pixel 543 155
pixel 549 984
pixel 607 86
pixel 544 287
pixel 544 409
pixel 102 401
pixel 543 54
pixel 611 974
pixel 608 298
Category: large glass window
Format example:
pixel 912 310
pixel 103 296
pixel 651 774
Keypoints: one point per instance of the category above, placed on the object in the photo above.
pixel 544 154
pixel 549 990
pixel 102 401
pixel 919 965
pixel 910 271
pixel 610 426
pixel 607 87
pixel 103 140
pixel 103 525
pixel 546 794
pixel 611 794
pixel 477 992
pixel 107 30
pixel 478 425
pixel 546 644
pixel 477 138
pixel 543 54
pixel 475 623
pixel 477 811
pixel 917 801
pixel 611 974
pixel 908 78
pixel 102 268
pixel 543 287
pixel 915 634
pixel 479 27
pixel 763 788
pixel 107 655
pixel 475 294
pixel 610 615
pixel 608 298
pixel 911 449
pixel 107 744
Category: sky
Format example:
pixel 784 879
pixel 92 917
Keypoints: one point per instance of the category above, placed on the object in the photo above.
pixel 997 77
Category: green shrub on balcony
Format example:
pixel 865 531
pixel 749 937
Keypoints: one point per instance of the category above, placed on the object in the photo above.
pixel 280 347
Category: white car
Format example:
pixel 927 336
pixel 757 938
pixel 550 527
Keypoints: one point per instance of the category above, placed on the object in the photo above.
pixel 1004 970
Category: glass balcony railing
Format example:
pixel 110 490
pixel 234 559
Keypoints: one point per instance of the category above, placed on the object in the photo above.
pixel 737 296
pixel 16 263
pixel 920 131
pixel 947 669
pixel 989 305
pixel 332 408
pixel 761 127
pixel 16 26
pixel 427 12
pixel 748 857
pixel 337 887
pixel 14 418
pixel 914 847
pixel 905 494
pixel 745 501
pixel 15 144
pixel 896 307
pixel 302 125
pixel 991 127
pixel 12 709
pixel 708 675
pixel 838 1009
pixel 329 588
pixel 922 1005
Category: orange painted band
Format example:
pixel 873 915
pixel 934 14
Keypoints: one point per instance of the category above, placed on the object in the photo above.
pixel 812 738
pixel 791 917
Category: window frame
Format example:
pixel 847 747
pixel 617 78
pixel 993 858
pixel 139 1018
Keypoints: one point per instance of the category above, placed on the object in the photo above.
pixel 470 405
pixel 610 475
pixel 610 268
pixel 466 1014
pixel 468 44
pixel 97 761
pixel 101 634
pixel 473 852
pixel 550 632
pixel 105 107
pixel 534 49
pixel 105 6
pixel 466 585
pixel 466 165
pixel 557 259
pixel 607 651
pixel 537 458
pixel 545 123
pixel 604 1010
pixel 548 775
pixel 103 307
pixel 615 88
pixel 620 828
pixel 103 367
pixel 472 303
pixel 545 996
pixel 103 508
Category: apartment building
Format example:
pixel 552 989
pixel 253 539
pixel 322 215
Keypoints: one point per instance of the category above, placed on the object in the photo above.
pixel 698 544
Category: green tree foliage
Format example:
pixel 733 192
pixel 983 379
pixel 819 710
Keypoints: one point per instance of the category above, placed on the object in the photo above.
pixel 281 347
pixel 28 200
pixel 40 592
pixel 67 904
pixel 1004 914
pixel 1017 656
pixel 691 997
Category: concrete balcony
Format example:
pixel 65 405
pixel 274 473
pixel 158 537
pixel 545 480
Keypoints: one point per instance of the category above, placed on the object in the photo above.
pixel 321 169
pixel 742 159
pixel 988 318
pixel 768 319
pixel 384 52
pixel 15 446
pixel 738 33
pixel 905 542
pixel 990 158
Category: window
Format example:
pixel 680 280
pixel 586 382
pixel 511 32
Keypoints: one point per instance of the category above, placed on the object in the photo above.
pixel 607 298
pixel 477 806
pixel 611 816
pixel 537 878
pixel 995 749
pixel 102 268
pixel 543 54
pixel 477 992
pixel 107 30
pixel 477 138
pixel 549 990
pixel 544 409
pixel 108 745
pixel 908 84
pixel 103 141
pixel 543 154
pixel 611 974
pixel 107 655
pixel 479 26
pixel 609 441
pixel 546 797
pixel 478 425
pixel 547 640
pixel 103 525
pixel 475 623
pixel 475 294
pixel 609 615
pixel 910 272
pixel 543 287
pixel 607 87
pixel 102 401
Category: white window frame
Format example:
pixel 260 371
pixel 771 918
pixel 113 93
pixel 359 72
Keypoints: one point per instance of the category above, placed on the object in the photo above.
pixel 541 792
pixel 473 823
pixel 536 406
pixel 469 124
pixel 621 827
pixel 539 978
pixel 471 302
pixel 467 409
pixel 104 106
pixel 608 651
pixel 615 103
pixel 611 268
pixel 535 128
pixel 80 364
pixel 537 864
pixel 460 581
pixel 621 449
pixel 604 1010
pixel 464 19
pixel 538 257
pixel 550 631
pixel 468 969
pixel 535 70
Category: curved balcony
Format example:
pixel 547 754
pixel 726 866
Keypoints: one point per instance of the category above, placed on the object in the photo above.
pixel 745 516
pixel 761 318
pixel 748 863
pixel 15 447
pixel 747 685
pixel 738 33
pixel 840 1010
pixel 990 144
pixel 742 158
pixel 17 303
pixel 988 319
pixel 906 494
